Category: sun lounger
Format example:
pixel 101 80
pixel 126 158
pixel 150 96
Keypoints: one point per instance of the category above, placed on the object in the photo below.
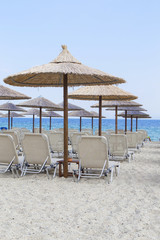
pixel 93 158
pixel 56 141
pixel 118 147
pixel 36 154
pixel 74 142
pixel 8 155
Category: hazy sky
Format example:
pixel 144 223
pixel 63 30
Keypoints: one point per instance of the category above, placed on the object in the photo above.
pixel 120 37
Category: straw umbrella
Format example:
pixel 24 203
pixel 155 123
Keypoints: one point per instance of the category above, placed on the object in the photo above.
pixel 116 105
pixel 32 112
pixel 12 115
pixel 99 93
pixel 71 107
pixel 64 71
pixel 135 114
pixel 50 114
pixel 40 102
pixel 132 108
pixel 10 107
pixel 9 94
pixel 81 113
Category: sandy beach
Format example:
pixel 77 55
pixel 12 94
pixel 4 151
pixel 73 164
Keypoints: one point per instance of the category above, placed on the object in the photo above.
pixel 34 207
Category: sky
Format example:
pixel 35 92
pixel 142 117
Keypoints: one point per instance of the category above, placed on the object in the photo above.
pixel 119 37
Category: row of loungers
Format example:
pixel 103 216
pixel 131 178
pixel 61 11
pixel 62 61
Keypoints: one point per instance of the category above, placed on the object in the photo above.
pixel 98 156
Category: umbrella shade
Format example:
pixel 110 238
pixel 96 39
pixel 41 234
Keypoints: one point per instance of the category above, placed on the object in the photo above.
pixel 117 103
pixel 51 74
pixel 9 94
pixel 71 107
pixel 40 103
pixel 127 109
pixel 10 107
pixel 51 114
pixel 64 71
pixel 102 93
pixel 81 113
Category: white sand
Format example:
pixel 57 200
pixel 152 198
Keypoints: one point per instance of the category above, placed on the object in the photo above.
pixel 34 207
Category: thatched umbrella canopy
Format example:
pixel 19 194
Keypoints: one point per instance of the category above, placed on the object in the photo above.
pixel 116 105
pixel 10 107
pixel 64 71
pixel 71 107
pixel 101 93
pixel 40 102
pixel 80 114
pixel 9 94
pixel 12 115
pixel 135 114
pixel 132 108
pixel 50 114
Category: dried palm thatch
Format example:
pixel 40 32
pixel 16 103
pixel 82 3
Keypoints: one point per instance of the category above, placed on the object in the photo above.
pixel 11 107
pixel 106 92
pixel 53 114
pixel 117 103
pixel 14 114
pixel 9 94
pixel 135 114
pixel 71 107
pixel 40 102
pixel 81 113
pixel 127 109
pixel 51 74
pixel 33 111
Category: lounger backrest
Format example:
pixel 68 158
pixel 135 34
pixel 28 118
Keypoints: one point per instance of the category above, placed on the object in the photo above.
pixel 74 140
pixel 14 135
pixel 140 137
pixel 56 141
pixel 36 148
pixel 132 139
pixel 7 149
pixel 118 145
pixel 93 151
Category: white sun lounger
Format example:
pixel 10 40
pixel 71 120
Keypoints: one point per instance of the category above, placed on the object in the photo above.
pixel 93 158
pixel 8 155
pixel 118 147
pixel 36 154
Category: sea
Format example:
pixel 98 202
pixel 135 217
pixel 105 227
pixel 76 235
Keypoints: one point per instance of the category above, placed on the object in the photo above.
pixel 152 126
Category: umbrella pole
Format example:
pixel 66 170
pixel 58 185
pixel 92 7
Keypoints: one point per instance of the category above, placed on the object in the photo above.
pixel 92 124
pixel 116 119
pixel 80 124
pixel 11 122
pixel 9 119
pixel 33 124
pixel 50 123
pixel 40 120
pixel 100 115
pixel 65 100
pixel 136 124
pixel 125 121
pixel 131 123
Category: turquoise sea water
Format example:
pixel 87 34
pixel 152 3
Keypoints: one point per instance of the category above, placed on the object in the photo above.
pixel 152 126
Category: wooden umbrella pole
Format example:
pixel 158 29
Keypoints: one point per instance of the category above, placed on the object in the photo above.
pixel 125 121
pixel 65 100
pixel 40 120
pixel 50 123
pixel 11 122
pixel 9 119
pixel 136 124
pixel 100 115
pixel 131 123
pixel 80 124
pixel 92 123
pixel 33 124
pixel 116 120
